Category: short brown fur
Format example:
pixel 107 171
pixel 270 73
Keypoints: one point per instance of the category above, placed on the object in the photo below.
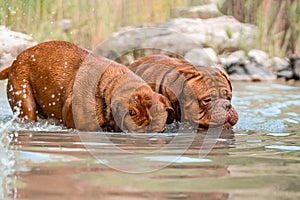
pixel 41 79
pixel 200 95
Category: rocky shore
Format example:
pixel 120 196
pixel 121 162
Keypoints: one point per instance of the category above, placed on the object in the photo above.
pixel 204 37
pixel 11 44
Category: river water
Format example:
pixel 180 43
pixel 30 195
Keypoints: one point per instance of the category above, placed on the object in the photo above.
pixel 259 159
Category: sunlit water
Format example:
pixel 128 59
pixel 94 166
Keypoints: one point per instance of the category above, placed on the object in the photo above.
pixel 260 159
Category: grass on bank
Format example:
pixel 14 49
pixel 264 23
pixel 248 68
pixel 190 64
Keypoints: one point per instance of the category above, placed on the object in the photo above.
pixel 278 23
pixel 92 21
pixel 95 20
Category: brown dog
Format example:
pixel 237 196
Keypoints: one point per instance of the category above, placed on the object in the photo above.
pixel 49 80
pixel 200 95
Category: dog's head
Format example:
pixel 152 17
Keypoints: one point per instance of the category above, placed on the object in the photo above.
pixel 145 111
pixel 207 100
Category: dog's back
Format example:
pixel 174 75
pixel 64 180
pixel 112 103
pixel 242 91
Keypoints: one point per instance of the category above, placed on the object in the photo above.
pixel 39 77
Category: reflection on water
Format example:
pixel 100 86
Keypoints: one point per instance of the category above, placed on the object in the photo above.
pixel 260 159
pixel 268 107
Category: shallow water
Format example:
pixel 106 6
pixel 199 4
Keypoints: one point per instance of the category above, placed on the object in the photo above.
pixel 260 159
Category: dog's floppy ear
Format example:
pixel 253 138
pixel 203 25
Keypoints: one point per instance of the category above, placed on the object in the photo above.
pixel 168 107
pixel 173 85
pixel 224 74
pixel 119 112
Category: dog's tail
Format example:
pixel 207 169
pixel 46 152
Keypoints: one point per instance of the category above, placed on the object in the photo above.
pixel 4 72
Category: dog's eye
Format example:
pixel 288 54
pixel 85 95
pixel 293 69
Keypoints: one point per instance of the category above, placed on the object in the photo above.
pixel 206 101
pixel 132 112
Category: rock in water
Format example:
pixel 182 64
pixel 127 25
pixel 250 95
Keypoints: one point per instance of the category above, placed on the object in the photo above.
pixel 180 36
pixel 11 44
pixel 295 65
pixel 202 57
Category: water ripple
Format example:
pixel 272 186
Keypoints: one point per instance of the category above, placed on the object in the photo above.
pixel 284 147
pixel 176 159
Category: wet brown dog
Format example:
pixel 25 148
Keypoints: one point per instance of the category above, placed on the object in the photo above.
pixel 200 95
pixel 42 80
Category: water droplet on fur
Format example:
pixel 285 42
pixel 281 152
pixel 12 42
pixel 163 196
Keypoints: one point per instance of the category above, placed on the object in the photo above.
pixel 11 88
pixel 53 96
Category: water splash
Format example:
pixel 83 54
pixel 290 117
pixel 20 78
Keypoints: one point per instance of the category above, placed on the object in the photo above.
pixel 7 158
pixel 10 127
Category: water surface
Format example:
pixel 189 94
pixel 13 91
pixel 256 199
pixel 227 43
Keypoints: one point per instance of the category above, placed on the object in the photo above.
pixel 260 159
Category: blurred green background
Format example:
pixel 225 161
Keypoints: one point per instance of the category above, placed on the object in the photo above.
pixel 87 23
pixel 92 21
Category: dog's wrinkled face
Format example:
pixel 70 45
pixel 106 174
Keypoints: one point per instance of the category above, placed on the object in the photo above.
pixel 147 111
pixel 207 101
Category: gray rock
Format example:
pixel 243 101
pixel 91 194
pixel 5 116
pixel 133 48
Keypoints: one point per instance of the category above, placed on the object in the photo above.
pixel 258 56
pixel 239 77
pixel 6 60
pixel 237 57
pixel 295 65
pixel 11 44
pixel 286 74
pixel 202 56
pixel 249 71
pixel 181 35
pixel 134 38
pixel 238 73
pixel 280 64
pixel 220 33
pixel 203 11
pixel 258 73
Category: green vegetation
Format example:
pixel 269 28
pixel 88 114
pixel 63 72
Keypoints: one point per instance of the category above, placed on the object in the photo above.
pixel 92 21
pixel 278 23
pixel 280 28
